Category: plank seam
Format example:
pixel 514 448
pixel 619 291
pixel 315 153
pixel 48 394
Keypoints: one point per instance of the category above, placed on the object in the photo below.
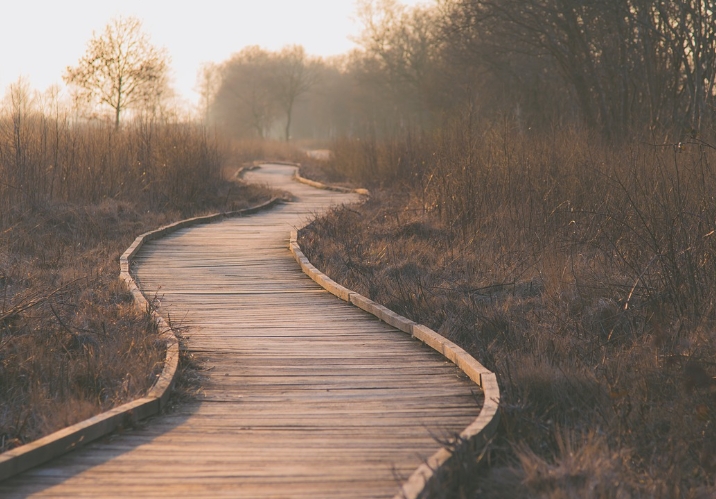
pixel 40 451
pixel 476 435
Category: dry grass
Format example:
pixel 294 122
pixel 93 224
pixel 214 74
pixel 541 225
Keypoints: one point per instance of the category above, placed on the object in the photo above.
pixel 72 343
pixel 72 198
pixel 582 273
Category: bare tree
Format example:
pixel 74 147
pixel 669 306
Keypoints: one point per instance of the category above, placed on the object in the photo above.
pixel 626 63
pixel 295 75
pixel 245 98
pixel 400 52
pixel 208 82
pixel 120 69
pixel 257 86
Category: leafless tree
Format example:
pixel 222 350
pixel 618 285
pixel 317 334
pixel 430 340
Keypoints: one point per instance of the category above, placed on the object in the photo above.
pixel 400 51
pixel 257 86
pixel 294 76
pixel 246 98
pixel 121 68
pixel 626 63
pixel 208 82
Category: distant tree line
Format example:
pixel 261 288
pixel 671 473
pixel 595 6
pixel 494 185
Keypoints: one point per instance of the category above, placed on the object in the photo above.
pixel 257 88
pixel 612 65
pixel 620 63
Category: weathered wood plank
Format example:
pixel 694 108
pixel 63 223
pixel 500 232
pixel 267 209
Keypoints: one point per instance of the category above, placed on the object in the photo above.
pixel 305 395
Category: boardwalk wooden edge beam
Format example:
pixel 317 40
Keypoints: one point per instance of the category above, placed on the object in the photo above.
pixel 243 169
pixel 478 433
pixel 27 456
pixel 319 185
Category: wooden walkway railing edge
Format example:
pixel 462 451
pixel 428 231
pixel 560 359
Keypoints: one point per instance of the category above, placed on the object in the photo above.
pixel 480 431
pixel 319 185
pixel 40 451
pixel 298 178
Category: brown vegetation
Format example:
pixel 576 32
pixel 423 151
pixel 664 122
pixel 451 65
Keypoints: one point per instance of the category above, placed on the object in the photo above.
pixel 582 272
pixel 73 196
pixel 548 204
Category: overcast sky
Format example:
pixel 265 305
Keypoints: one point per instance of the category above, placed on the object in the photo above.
pixel 40 38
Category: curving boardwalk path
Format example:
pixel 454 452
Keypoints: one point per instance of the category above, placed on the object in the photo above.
pixel 306 396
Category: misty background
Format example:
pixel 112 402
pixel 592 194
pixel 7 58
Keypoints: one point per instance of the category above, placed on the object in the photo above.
pixel 375 68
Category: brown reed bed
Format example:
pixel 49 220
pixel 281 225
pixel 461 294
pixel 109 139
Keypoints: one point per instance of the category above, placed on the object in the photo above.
pixel 581 272
pixel 73 196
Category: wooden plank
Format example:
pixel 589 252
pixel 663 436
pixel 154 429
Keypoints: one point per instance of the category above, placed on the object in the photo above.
pixel 305 395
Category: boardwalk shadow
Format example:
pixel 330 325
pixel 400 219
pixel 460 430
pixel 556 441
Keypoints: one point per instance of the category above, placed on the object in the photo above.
pixel 118 445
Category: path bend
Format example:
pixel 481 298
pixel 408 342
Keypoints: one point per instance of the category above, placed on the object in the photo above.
pixel 305 397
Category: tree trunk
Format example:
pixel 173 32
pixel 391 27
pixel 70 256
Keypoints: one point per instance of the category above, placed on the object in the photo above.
pixel 118 108
pixel 288 123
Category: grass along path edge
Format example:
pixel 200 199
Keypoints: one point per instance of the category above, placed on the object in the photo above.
pixel 27 456
pixel 313 183
pixel 320 185
pixel 479 432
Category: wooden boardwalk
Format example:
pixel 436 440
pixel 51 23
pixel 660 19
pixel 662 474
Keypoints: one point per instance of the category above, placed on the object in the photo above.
pixel 306 396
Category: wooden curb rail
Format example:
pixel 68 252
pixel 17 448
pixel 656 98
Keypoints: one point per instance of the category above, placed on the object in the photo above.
pixel 319 185
pixel 313 183
pixel 27 456
pixel 478 433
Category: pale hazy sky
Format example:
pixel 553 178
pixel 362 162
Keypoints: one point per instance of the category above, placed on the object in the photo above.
pixel 40 38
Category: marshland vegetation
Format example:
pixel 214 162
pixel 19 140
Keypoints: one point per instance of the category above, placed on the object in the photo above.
pixel 543 195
